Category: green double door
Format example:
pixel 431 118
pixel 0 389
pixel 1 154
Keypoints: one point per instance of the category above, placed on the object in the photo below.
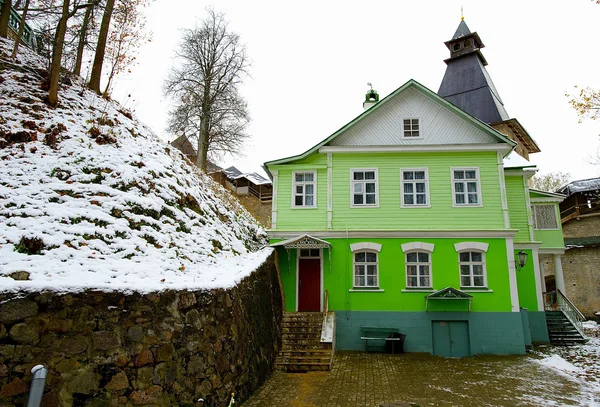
pixel 451 338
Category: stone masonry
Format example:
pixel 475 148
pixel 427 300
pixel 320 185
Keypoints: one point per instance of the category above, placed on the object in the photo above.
pixel 162 349
pixel 581 266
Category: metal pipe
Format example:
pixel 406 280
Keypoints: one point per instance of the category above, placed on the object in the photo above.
pixel 38 382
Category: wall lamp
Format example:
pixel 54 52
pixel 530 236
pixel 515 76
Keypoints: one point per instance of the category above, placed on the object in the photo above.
pixel 521 259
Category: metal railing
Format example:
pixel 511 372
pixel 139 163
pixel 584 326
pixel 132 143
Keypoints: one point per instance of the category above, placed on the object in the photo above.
pixel 326 304
pixel 557 301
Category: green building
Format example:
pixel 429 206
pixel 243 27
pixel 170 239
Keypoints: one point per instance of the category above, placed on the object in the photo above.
pixel 417 216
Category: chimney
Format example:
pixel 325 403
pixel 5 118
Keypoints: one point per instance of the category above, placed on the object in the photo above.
pixel 371 98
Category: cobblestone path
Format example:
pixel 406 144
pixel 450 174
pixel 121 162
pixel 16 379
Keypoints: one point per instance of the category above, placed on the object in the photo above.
pixel 415 379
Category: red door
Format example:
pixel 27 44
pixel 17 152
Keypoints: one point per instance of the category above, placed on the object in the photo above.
pixel 309 285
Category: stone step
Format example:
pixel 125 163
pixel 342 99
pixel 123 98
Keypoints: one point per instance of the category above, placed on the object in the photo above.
pixel 302 367
pixel 305 353
pixel 310 337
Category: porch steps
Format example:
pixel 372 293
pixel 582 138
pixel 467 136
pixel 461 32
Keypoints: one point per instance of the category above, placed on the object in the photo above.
pixel 302 350
pixel 561 331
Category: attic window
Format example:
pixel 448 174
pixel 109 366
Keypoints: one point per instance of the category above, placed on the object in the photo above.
pixel 411 128
pixel 457 46
pixel 467 43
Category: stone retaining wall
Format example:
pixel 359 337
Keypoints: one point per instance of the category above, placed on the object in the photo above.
pixel 167 349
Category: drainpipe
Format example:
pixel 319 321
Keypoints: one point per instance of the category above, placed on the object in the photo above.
pixel 38 382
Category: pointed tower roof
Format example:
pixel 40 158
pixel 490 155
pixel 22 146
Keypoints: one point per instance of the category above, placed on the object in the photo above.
pixel 466 82
pixel 468 85
pixel 462 30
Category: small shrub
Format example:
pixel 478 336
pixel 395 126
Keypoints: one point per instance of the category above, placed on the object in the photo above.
pixel 30 245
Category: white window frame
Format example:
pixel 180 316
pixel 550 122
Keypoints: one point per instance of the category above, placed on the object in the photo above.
pixel 417 264
pixel 420 129
pixel 365 264
pixel 304 183
pixel 402 182
pixel 365 247
pixel 464 182
pixel 556 217
pixel 470 263
pixel 353 182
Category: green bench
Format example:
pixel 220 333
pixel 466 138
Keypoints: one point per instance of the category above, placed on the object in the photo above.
pixel 378 333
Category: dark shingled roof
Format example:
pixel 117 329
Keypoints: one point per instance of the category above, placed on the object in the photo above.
pixel 468 85
pixel 462 30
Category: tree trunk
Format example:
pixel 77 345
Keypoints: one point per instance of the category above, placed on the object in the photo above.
pixel 21 29
pixel 4 15
pixel 100 47
pixel 82 38
pixel 57 50
pixel 202 142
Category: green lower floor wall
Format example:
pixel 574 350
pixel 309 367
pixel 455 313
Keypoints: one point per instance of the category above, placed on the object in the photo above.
pixel 498 333
pixel 538 327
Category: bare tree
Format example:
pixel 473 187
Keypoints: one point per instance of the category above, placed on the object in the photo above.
pixel 100 47
pixel 204 87
pixel 125 37
pixel 550 182
pixel 83 35
pixel 21 29
pixel 4 17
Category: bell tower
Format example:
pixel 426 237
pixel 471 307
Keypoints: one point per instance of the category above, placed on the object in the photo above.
pixel 468 85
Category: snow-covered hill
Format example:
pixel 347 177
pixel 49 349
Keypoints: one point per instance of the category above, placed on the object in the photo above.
pixel 90 198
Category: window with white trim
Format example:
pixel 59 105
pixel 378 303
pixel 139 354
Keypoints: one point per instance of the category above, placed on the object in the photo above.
pixel 418 269
pixel 365 269
pixel 364 187
pixel 305 189
pixel 544 216
pixel 414 187
pixel 411 128
pixel 465 186
pixel 472 269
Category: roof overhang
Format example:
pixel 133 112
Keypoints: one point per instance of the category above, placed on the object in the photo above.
pixel 547 196
pixel 302 242
pixel 518 133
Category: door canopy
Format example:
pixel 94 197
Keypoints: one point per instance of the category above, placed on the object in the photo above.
pixel 448 293
pixel 303 242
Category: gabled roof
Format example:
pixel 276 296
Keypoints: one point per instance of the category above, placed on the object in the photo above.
pixel 411 84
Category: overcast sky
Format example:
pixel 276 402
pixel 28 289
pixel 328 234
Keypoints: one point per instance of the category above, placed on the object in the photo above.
pixel 311 61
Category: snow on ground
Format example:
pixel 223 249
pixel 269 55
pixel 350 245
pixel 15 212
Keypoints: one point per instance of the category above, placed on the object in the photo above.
pixel 581 363
pixel 92 199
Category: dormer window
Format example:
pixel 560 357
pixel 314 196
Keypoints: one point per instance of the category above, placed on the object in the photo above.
pixel 411 128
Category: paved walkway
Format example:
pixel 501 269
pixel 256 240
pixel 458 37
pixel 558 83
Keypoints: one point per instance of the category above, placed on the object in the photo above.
pixel 418 380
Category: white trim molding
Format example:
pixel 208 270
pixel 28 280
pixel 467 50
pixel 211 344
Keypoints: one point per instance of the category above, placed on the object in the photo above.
pixel 461 247
pixel 512 276
pixel 365 246
pixel 421 148
pixel 275 175
pixel 428 247
pixel 412 234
